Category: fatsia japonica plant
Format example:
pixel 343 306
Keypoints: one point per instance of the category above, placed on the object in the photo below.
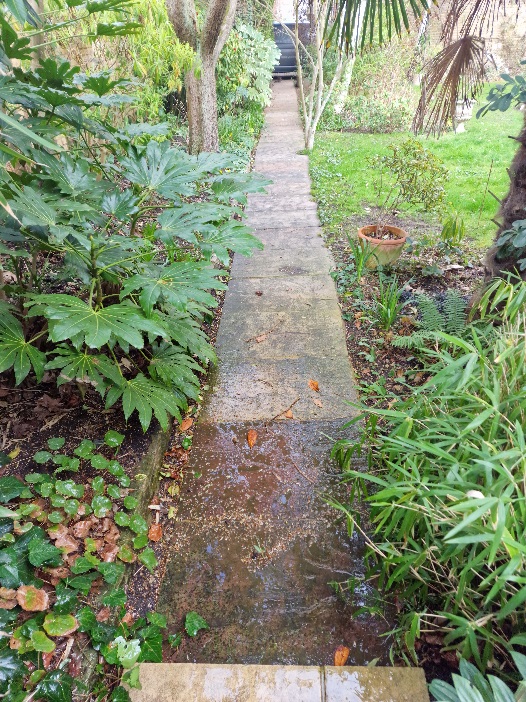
pixel 110 238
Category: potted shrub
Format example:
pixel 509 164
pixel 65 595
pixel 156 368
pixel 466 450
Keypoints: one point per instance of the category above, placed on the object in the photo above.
pixel 410 174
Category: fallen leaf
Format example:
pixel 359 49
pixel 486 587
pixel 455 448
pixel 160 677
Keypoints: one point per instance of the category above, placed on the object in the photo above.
pixel 46 659
pixel 261 338
pixel 7 604
pixel 317 402
pixel 7 593
pixel 252 436
pixel 400 373
pixel 418 378
pixel 109 553
pixel 186 424
pixel 32 599
pixel 288 414
pixel 57 531
pixel 82 529
pixel 155 532
pixel 104 614
pixel 113 534
pixel 57 574
pixel 341 655
pixel 313 385
pixel 259 293
pixel 67 543
pixel 128 619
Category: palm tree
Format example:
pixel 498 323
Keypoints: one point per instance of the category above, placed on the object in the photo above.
pixel 456 73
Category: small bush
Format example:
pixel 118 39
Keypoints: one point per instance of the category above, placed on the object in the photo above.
pixel 448 508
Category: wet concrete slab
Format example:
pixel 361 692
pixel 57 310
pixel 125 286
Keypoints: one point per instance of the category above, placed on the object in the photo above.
pixel 284 263
pixel 283 217
pixel 272 289
pixel 257 545
pixel 282 330
pixel 261 389
pixel 187 682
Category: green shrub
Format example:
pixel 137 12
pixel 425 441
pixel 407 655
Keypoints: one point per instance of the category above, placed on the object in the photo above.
pixel 448 469
pixel 244 70
pixel 138 285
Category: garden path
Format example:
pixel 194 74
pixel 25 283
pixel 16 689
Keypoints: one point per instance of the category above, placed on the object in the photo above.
pixel 255 544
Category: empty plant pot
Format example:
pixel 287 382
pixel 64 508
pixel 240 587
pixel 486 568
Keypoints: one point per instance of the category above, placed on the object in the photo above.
pixel 384 251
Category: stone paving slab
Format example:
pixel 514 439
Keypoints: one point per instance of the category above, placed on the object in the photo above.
pixel 298 238
pixel 187 682
pixel 277 331
pixel 301 287
pixel 286 262
pixel 293 203
pixel 260 390
pixel 281 217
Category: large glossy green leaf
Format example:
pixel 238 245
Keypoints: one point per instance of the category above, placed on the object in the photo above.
pixel 235 186
pixel 146 397
pixel 16 352
pixel 188 219
pixel 172 366
pixel 175 284
pixel 71 317
pixel 84 367
pixel 230 236
pixel 163 169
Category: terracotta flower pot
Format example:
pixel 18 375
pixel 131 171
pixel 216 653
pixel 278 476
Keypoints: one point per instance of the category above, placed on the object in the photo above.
pixel 385 251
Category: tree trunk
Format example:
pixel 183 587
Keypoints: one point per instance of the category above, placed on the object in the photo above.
pixel 201 96
pixel 513 208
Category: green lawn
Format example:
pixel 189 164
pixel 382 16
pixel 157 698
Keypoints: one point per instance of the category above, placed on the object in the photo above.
pixel 342 179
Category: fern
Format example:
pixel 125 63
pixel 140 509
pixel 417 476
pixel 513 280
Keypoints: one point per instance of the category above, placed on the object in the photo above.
pixel 454 313
pixel 452 320
pixel 431 317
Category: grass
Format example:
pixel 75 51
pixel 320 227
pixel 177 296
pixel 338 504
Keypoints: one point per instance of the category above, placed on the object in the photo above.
pixel 343 181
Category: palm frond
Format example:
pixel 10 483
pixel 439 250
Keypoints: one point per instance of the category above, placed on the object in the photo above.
pixel 473 17
pixel 356 24
pixel 455 74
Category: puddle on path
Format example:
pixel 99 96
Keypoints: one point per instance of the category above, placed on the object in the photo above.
pixel 256 545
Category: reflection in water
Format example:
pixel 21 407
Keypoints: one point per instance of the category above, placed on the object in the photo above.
pixel 256 546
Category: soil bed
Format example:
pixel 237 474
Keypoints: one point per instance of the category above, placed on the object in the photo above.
pixel 385 372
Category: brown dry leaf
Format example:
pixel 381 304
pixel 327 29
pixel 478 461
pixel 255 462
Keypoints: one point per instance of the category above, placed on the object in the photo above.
pixel 313 385
pixel 155 532
pixel 341 655
pixel 15 644
pixel 418 378
pixel 400 373
pixel 32 599
pixel 109 553
pixel 57 531
pixel 317 402
pixel 113 534
pixel 46 659
pixel 252 436
pixel 260 338
pixel 81 529
pixel 358 324
pixel 104 614
pixel 57 574
pixel 186 424
pixel 128 619
pixel 7 594
pixel 67 543
pixel 288 414
pixel 7 604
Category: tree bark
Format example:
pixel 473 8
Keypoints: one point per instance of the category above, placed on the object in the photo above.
pixel 513 208
pixel 201 93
